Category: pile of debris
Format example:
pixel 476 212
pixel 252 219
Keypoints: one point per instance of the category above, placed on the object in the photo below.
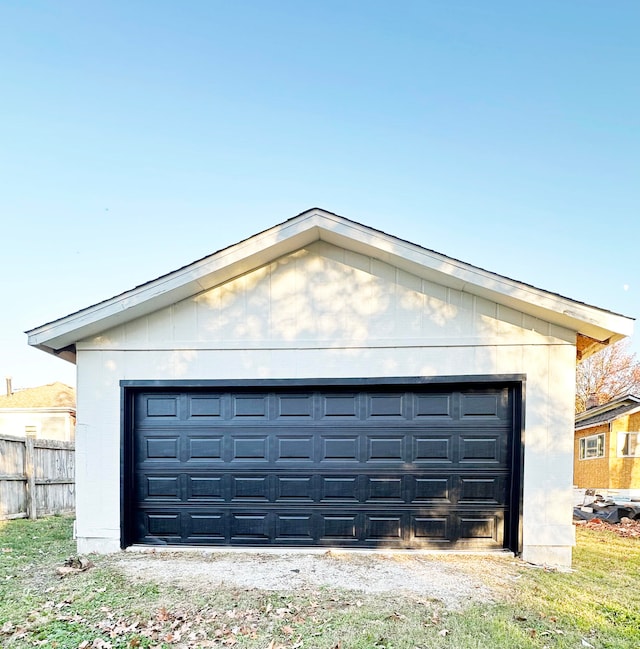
pixel 618 515
pixel 607 510
pixel 626 527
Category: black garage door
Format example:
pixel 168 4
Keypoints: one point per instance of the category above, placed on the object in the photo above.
pixel 401 466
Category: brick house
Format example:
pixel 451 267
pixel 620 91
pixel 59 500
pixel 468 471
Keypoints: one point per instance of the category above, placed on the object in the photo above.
pixel 607 447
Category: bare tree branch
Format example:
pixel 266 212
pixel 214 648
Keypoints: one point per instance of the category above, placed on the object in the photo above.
pixel 610 373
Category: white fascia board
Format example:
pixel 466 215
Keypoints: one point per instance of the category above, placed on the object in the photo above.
pixel 173 287
pixel 300 231
pixel 585 319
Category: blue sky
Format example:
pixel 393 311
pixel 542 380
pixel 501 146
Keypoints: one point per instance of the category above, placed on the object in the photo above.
pixel 136 137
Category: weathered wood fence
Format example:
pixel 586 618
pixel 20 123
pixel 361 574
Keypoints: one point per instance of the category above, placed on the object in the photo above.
pixel 36 477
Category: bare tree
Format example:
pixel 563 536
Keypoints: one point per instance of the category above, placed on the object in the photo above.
pixel 612 372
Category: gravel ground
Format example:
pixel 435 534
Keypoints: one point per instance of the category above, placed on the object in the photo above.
pixel 454 580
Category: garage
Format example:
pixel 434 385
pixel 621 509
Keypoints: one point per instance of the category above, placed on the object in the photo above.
pixel 349 465
pixel 325 384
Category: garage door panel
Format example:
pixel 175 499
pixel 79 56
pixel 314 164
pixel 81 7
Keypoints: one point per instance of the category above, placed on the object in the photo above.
pixel 388 528
pixel 339 406
pixel 212 488
pixel 297 488
pixel 162 448
pixel 251 526
pixel 294 406
pixel 386 448
pixel 340 527
pixel 436 407
pixel 482 405
pixel 481 530
pixel 205 407
pixel 370 468
pixel 489 490
pixel 253 488
pixel 294 448
pixel 165 407
pixel 432 489
pixel 343 448
pixel 316 526
pixel 161 487
pixel 482 449
pixel 429 529
pixel 205 528
pixel 435 448
pixel 291 528
pixel 339 488
pixel 386 406
pixel 388 489
pixel 163 525
pixel 254 406
pixel 205 448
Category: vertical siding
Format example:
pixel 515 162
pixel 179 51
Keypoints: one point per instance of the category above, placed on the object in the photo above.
pixel 327 294
pixel 326 312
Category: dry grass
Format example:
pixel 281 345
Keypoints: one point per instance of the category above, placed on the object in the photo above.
pixel 597 604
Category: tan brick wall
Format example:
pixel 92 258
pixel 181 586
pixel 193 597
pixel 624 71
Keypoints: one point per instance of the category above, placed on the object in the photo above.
pixel 624 472
pixel 593 473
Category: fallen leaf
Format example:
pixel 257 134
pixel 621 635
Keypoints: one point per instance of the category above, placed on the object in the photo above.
pixel 163 614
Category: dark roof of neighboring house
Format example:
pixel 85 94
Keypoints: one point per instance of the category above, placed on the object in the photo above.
pixel 608 412
pixel 53 395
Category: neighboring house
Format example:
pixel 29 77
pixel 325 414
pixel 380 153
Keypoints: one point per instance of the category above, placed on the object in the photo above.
pixel 45 412
pixel 607 447
pixel 326 384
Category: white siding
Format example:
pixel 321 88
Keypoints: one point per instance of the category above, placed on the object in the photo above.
pixel 325 312
pixel 56 424
pixel 315 297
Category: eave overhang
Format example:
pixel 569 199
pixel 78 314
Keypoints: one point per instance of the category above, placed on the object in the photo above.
pixel 607 412
pixel 594 327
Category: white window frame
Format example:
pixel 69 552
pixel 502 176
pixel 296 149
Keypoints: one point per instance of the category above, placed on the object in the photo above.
pixel 592 447
pixel 623 444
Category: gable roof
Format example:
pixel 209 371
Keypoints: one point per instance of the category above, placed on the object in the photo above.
pixel 594 327
pixel 608 412
pixel 52 395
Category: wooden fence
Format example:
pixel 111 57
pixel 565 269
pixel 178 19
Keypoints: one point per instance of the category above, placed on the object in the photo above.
pixel 36 477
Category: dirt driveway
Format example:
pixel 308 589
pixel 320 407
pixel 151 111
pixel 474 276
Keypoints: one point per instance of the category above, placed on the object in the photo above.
pixel 455 580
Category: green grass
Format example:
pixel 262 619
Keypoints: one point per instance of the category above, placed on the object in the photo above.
pixel 597 603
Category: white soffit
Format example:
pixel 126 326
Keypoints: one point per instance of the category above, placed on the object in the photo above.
pixel 300 231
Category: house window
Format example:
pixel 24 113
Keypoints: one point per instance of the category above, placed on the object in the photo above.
pixel 629 444
pixel 592 447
